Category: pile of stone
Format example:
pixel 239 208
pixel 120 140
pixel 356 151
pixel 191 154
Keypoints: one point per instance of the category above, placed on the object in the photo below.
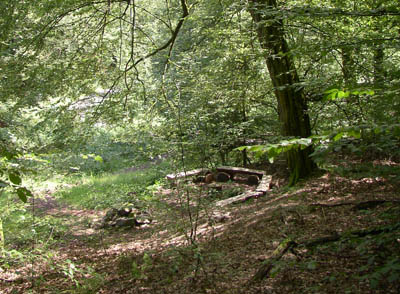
pixel 124 218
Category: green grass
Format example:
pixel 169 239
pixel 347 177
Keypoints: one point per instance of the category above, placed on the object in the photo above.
pixel 102 191
pixel 113 190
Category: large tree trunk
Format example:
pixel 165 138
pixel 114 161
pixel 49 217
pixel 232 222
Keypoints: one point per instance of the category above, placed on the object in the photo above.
pixel 291 100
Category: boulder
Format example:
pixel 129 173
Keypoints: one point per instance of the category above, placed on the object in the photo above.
pixel 123 217
pixel 143 218
pixel 124 211
pixel 125 222
pixel 110 215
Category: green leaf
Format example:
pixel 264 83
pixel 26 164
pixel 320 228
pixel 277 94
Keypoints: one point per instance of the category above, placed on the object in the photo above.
pixel 98 158
pixel 338 136
pixel 241 148
pixel 331 91
pixel 355 134
pixel 367 92
pixel 23 194
pixel 330 94
pixel 256 148
pixel 342 94
pixel 15 178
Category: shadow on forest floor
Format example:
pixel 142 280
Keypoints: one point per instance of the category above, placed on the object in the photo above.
pixel 186 250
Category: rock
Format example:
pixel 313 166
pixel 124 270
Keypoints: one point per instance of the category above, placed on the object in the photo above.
pixel 124 211
pixel 125 222
pixel 223 177
pixel 143 218
pixel 209 178
pixel 123 217
pixel 110 214
pixel 253 180
pixel 74 169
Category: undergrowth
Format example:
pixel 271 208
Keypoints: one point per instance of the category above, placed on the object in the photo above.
pixel 113 190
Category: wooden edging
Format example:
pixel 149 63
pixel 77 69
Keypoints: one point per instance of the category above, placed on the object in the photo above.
pixel 191 173
pixel 262 188
pixel 239 198
pixel 240 170
pixel 264 184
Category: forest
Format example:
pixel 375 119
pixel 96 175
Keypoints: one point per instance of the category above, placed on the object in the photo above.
pixel 199 146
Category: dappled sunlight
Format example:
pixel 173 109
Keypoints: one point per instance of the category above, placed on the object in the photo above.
pixel 247 233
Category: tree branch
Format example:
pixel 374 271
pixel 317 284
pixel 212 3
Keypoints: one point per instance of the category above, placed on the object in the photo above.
pixel 171 41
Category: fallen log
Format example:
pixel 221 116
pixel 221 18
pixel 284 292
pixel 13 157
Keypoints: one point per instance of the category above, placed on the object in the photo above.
pixel 184 174
pixel 239 198
pixel 265 184
pixel 240 170
pixel 268 264
pixel 357 205
pixel 357 233
pixel 288 244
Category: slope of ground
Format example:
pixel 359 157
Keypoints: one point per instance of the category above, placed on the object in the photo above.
pixel 188 250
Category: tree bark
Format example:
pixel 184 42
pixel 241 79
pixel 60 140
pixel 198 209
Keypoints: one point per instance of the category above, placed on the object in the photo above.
pixel 1 238
pixel 379 70
pixel 291 99
pixel 348 67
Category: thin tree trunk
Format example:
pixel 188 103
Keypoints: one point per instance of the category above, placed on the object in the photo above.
pixel 348 68
pixel 1 238
pixel 291 100
pixel 379 71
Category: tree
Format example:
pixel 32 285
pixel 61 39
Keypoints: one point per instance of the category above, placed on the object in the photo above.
pixel 170 53
pixel 292 104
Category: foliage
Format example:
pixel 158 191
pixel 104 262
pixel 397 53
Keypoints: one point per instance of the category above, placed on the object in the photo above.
pixel 114 190
pixel 10 173
pixel 361 139
pixel 89 88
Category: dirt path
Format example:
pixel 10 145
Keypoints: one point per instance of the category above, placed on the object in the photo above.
pixel 224 256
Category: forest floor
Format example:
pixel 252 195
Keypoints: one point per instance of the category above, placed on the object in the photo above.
pixel 187 250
